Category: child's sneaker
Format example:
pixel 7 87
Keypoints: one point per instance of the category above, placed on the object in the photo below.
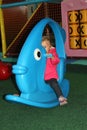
pixel 62 100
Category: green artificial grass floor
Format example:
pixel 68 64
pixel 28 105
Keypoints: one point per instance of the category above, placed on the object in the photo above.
pixel 70 117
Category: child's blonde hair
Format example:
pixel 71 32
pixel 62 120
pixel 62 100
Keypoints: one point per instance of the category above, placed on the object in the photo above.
pixel 44 38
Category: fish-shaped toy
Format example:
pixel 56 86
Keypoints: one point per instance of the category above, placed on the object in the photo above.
pixel 29 70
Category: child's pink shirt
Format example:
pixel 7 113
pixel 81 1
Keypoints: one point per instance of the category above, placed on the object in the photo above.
pixel 51 65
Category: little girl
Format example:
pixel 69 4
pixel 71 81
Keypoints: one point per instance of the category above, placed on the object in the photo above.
pixel 51 75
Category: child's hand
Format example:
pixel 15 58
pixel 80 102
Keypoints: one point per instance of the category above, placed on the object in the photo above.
pixel 49 55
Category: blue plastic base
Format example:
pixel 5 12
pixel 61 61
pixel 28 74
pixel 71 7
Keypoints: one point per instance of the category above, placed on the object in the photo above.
pixel 45 101
pixel 31 103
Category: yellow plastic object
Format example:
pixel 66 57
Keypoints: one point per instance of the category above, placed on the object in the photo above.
pixel 2 29
pixel 84 42
pixel 75 42
pixel 73 17
pixel 83 16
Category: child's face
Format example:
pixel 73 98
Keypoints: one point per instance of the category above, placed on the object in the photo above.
pixel 46 44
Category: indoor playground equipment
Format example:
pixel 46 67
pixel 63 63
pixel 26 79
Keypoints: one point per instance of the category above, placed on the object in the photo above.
pixel 29 70
pixel 74 21
pixel 2 30
pixel 43 10
pixel 11 46
pixel 26 2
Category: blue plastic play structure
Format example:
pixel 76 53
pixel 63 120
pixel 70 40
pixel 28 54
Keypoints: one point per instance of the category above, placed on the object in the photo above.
pixel 27 2
pixel 29 70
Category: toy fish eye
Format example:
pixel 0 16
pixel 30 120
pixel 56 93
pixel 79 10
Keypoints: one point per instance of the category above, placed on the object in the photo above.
pixel 37 54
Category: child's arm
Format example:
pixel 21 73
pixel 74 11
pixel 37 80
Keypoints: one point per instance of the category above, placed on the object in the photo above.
pixel 55 59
